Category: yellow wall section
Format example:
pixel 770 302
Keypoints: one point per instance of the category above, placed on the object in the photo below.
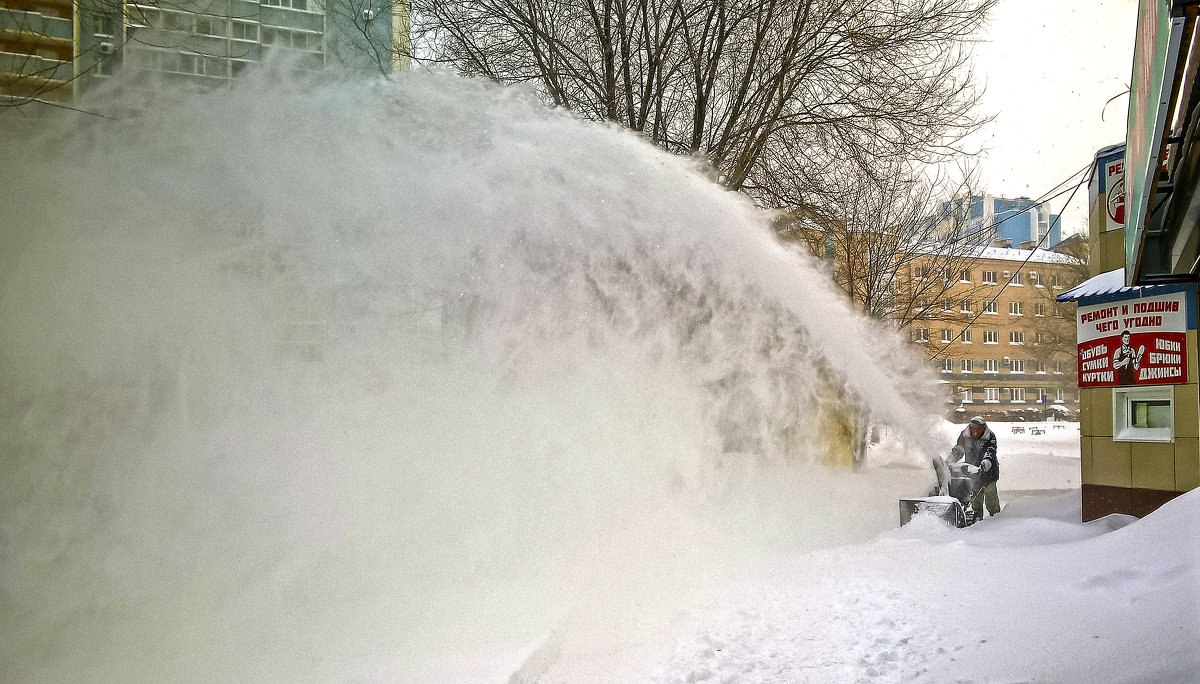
pixel 1154 465
pixel 1187 411
pixel 1111 463
pixel 1187 464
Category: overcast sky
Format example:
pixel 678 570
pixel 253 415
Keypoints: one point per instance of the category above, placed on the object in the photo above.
pixel 1049 66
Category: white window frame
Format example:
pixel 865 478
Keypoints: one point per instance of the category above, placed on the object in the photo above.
pixel 966 366
pixel 1015 281
pixel 991 395
pixel 947 365
pixel 1018 366
pixel 1016 309
pixel 922 335
pixel 965 276
pixel 947 335
pixel 1123 399
pixel 965 338
pixel 1016 392
pixel 1039 309
pixel 990 307
pixel 964 306
pixel 989 278
pixel 991 337
pixel 965 395
pixel 991 366
pixel 1016 337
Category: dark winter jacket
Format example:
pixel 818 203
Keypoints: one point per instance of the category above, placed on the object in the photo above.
pixel 976 451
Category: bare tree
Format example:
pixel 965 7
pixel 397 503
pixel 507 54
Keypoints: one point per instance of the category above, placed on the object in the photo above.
pixel 897 243
pixel 771 92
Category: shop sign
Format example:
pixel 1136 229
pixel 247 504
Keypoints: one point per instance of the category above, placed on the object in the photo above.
pixel 1140 341
pixel 1114 173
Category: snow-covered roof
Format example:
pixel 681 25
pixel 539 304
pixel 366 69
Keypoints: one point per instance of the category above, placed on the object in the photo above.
pixel 1034 256
pixel 1110 282
pixel 1038 256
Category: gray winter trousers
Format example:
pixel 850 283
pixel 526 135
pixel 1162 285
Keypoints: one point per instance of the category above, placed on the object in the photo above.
pixel 990 497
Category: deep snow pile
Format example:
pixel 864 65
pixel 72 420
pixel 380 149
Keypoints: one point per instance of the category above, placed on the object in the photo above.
pixel 1030 596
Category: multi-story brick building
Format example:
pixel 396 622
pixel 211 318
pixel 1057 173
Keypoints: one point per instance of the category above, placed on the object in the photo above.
pixel 1004 347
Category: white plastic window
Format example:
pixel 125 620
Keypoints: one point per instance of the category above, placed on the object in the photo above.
pixel 1144 414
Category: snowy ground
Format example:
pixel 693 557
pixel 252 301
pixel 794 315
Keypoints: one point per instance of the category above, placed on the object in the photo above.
pixel 1033 595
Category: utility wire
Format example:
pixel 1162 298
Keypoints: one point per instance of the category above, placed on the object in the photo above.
pixel 1018 270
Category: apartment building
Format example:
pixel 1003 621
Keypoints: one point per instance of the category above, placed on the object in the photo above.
pixel 51 49
pixel 993 330
pixel 37 50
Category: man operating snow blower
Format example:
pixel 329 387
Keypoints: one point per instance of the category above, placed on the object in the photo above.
pixel 966 480
pixel 977 447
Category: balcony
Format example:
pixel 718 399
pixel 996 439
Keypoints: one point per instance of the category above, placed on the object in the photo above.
pixel 16 67
pixel 19 26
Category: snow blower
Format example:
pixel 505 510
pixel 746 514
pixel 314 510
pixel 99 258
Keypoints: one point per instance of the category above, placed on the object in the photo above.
pixel 955 507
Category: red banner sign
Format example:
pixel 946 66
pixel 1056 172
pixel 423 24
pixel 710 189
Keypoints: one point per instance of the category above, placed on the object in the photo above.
pixel 1141 341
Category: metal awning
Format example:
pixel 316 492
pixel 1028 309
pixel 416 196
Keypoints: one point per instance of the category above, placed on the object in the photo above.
pixel 1111 283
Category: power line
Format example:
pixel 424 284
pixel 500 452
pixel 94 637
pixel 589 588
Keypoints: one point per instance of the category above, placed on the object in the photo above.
pixel 1018 270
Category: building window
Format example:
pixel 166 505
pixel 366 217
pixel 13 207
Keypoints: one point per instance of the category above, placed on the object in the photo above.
pixel 1058 395
pixel 1016 337
pixel 210 26
pixel 965 276
pixel 966 366
pixel 1144 414
pixel 1018 395
pixel 947 335
pixel 293 4
pixel 991 366
pixel 964 395
pixel 102 27
pixel 242 30
pixel 1016 280
pixel 1041 395
pixel 946 305
pixel 966 336
pixel 1017 366
pixel 991 337
pixel 1035 279
pixel 1055 283
pixel 1039 367
pixel 989 278
pixel 1058 367
pixel 947 365
pixel 965 306
pixel 919 272
pixel 1016 309
pixel 991 395
pixel 989 307
pixel 922 335
pixel 1039 309
pixel 1057 312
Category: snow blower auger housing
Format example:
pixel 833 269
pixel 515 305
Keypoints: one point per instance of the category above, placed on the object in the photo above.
pixel 955 508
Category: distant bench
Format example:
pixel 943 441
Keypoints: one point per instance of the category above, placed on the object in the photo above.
pixel 1018 428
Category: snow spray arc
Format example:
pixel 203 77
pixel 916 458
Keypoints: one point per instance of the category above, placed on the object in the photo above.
pixel 339 398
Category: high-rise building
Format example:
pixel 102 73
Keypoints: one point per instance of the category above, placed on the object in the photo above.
pixel 1018 222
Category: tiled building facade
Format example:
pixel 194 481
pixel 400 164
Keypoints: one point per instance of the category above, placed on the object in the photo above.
pixel 1003 346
